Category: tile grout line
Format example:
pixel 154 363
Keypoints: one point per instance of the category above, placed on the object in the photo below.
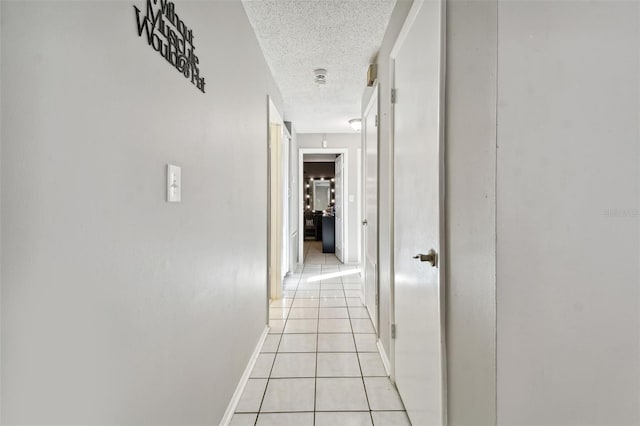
pixel 281 336
pixel 282 333
pixel 350 316
pixel 274 358
pixel 364 386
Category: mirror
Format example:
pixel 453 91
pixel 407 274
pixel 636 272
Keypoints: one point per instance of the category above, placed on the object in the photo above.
pixel 321 194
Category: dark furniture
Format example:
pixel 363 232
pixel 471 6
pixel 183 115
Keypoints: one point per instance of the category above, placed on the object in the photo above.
pixel 313 226
pixel 328 234
pixel 310 228
pixel 317 217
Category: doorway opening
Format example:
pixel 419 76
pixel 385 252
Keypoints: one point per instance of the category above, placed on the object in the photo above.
pixel 322 208
pixel 278 243
pixel 319 189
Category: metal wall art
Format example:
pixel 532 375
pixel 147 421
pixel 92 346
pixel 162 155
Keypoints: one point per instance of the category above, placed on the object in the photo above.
pixel 168 35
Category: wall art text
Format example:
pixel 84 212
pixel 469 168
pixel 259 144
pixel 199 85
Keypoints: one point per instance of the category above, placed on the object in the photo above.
pixel 168 35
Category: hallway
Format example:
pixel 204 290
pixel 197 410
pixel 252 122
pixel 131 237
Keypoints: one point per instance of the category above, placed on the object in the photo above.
pixel 320 364
pixel 483 176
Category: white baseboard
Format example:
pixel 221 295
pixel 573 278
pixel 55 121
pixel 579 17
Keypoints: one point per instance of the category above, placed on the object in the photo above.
pixel 385 358
pixel 231 408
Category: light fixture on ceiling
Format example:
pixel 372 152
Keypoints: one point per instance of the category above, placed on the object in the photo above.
pixel 356 124
pixel 320 76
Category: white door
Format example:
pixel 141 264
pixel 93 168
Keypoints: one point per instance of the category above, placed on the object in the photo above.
pixel 418 293
pixel 286 201
pixel 339 206
pixel 370 219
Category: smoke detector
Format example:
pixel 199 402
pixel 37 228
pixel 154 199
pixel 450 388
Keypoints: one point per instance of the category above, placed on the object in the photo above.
pixel 356 124
pixel 320 76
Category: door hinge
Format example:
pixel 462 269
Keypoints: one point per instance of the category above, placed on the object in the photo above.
pixel 376 120
pixel 393 331
pixel 394 96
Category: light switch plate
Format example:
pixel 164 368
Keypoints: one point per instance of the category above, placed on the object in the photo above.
pixel 174 183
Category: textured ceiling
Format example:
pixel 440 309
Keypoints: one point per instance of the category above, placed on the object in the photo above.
pixel 298 36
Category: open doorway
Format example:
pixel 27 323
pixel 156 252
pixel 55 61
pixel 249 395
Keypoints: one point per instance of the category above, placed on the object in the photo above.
pixel 323 217
pixel 278 203
pixel 319 199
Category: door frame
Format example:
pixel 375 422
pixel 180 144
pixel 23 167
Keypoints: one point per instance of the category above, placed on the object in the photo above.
pixel 345 220
pixel 442 258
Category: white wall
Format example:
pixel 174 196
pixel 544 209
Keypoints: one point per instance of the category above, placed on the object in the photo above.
pixel 543 156
pixel 1 303
pixel 352 142
pixel 117 307
pixel 568 192
pixel 470 153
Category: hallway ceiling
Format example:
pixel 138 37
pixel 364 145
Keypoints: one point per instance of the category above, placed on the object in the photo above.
pixel 298 36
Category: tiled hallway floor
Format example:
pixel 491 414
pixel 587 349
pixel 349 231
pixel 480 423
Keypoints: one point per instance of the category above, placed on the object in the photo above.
pixel 320 364
pixel 313 255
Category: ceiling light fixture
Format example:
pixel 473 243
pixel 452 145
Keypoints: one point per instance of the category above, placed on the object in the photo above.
pixel 320 76
pixel 356 124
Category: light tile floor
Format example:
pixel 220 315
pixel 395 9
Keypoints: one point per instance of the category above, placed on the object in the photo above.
pixel 320 365
pixel 313 255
